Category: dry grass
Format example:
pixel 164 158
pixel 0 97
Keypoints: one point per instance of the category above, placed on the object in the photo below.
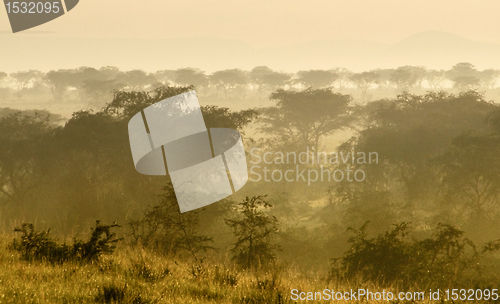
pixel 133 275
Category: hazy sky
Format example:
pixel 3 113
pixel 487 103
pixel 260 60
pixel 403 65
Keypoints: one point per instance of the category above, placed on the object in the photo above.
pixel 276 22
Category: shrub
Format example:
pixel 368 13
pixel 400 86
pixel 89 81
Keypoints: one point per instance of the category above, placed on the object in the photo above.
pixel 253 247
pixel 393 258
pixel 166 230
pixel 38 246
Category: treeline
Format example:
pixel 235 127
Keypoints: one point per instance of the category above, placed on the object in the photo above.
pixel 436 154
pixel 437 164
pixel 65 176
pixel 96 85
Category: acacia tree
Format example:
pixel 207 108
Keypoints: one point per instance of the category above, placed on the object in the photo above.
pixel 217 117
pixel 59 81
pixel 462 69
pixel 384 80
pixel 316 78
pixel 257 78
pixel 253 231
pixel 228 80
pixel 465 83
pixel 136 80
pixel 264 79
pixel 489 78
pixel 464 76
pixel 25 79
pixel 435 78
pixel 194 77
pixel 363 81
pixel 127 104
pixel 303 118
pixel 407 77
pixel 343 77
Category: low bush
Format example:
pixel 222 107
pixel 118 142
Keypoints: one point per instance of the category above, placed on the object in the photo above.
pixel 393 258
pixel 38 246
pixel 254 229
pixel 166 230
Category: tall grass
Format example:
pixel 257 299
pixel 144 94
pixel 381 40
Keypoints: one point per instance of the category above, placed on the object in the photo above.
pixel 135 275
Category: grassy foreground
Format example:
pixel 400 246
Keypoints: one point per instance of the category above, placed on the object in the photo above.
pixel 135 275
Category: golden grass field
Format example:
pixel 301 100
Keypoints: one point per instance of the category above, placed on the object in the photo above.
pixel 134 275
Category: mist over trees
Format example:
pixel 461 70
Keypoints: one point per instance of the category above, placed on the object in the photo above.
pixel 93 87
pixel 435 135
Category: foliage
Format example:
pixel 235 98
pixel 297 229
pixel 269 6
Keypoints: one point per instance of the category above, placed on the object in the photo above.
pixel 25 79
pixel 168 231
pixel 266 80
pixel 446 259
pixel 38 246
pixel 23 148
pixel 304 118
pixel 126 104
pixel 316 78
pixel 253 248
pixel 429 146
pixel 437 157
pixel 121 278
pixel 464 76
pixel 190 76
pixel 471 175
pixel 217 117
pixel 364 81
pixel 228 80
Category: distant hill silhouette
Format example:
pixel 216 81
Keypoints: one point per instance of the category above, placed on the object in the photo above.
pixel 432 49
